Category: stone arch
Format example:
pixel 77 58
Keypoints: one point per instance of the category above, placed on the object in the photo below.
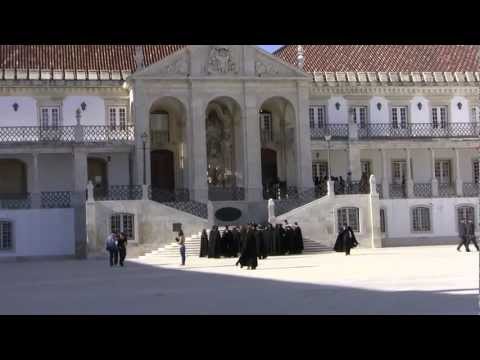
pixel 13 181
pixel 225 145
pixel 281 139
pixel 167 128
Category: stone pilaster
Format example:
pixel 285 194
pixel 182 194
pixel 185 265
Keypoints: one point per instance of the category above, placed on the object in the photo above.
pixel 36 196
pixel 303 140
pixel 434 179
pixel 80 176
pixel 374 202
pixel 252 143
pixel 409 180
pixel 354 161
pixel 142 126
pixel 458 174
pixel 385 178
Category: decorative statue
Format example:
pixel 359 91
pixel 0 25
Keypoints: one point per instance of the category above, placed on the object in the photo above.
pixel 271 211
pixel 220 61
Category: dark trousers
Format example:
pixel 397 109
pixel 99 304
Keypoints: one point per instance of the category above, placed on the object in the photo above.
pixel 347 250
pixel 182 254
pixel 123 254
pixel 464 242
pixel 113 257
pixel 474 241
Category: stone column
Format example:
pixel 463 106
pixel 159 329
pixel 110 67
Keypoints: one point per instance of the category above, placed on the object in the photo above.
pixel 352 127
pixel 434 179
pixel 35 195
pixel 80 177
pixel 385 178
pixel 303 149
pixel 354 164
pixel 199 186
pixel 458 174
pixel 409 180
pixel 91 220
pixel 252 155
pixel 374 203
pixel 142 126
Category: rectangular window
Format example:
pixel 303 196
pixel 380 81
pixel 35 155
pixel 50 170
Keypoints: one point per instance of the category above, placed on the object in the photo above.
pixel 476 114
pixel 382 221
pixel 320 169
pixel 399 171
pixel 117 117
pixel 421 219
pixel 360 116
pixel 49 117
pixel 439 117
pixel 317 116
pixel 6 242
pixel 399 117
pixel 443 171
pixel 123 223
pixel 266 126
pixel 365 165
pixel 349 216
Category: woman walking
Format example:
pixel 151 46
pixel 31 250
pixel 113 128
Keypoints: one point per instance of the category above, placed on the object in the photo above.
pixel 181 241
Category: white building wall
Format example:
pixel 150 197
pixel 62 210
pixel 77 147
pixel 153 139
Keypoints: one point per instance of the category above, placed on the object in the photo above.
pixel 55 172
pixel 94 114
pixel 117 167
pixel 337 116
pixel 419 115
pixel 40 232
pixel 26 114
pixel 378 116
pixel 459 115
pixel 422 165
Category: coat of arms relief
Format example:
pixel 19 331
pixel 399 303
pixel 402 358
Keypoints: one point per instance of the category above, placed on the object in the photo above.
pixel 220 61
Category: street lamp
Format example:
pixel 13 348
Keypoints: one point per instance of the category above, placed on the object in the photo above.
pixel 328 138
pixel 144 138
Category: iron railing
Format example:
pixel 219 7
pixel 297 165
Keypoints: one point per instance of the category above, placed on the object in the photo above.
pixel 287 204
pixel 55 199
pixel 226 194
pixel 351 188
pixel 15 201
pixel 338 131
pixel 420 130
pixel 192 207
pixel 398 191
pixel 118 192
pixel 67 134
pixel 471 189
pixel 163 196
pixel 447 190
pixel 422 190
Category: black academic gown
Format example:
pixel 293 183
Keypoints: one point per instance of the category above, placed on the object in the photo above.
pixel 268 240
pixel 228 243
pixel 298 240
pixel 218 244
pixel 211 244
pixel 290 240
pixel 235 242
pixel 249 251
pixel 260 241
pixel 280 240
pixel 204 244
pixel 345 240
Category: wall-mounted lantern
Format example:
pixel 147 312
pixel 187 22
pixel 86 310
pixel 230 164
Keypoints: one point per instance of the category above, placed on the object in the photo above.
pixel 337 106
pixel 379 106
pixel 83 105
pixel 419 105
pixel 15 106
pixel 459 105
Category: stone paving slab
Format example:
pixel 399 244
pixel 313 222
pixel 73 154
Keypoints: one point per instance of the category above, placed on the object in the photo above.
pixel 410 280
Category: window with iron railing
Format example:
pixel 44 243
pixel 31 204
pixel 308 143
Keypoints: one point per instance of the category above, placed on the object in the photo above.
pixel 476 114
pixel 6 242
pixel 49 117
pixel 349 216
pixel 399 117
pixel 383 226
pixel 123 223
pixel 317 116
pixel 359 114
pixel 465 213
pixel 476 172
pixel 439 117
pixel 117 117
pixel 443 171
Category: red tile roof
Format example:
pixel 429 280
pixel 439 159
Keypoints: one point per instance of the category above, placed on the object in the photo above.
pixel 79 57
pixel 377 58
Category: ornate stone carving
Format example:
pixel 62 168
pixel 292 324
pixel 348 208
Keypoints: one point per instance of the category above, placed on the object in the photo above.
pixel 267 68
pixel 220 61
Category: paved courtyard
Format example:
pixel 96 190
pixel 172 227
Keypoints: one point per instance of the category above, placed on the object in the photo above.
pixel 410 280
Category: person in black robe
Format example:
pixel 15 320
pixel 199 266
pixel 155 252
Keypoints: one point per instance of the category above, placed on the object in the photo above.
pixel 251 249
pixel 268 238
pixel 289 240
pixel 214 243
pixel 279 240
pixel 204 244
pixel 298 239
pixel 346 240
pixel 228 237
pixel 261 248
pixel 218 243
pixel 235 242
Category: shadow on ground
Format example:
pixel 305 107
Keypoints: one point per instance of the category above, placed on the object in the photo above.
pixel 92 287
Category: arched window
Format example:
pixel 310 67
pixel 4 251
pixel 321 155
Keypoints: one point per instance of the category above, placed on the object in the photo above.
pixel 123 223
pixel 349 216
pixel 383 221
pixel 421 221
pixel 465 212
pixel 6 242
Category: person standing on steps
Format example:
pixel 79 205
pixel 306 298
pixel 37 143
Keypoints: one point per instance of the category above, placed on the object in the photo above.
pixel 122 247
pixel 471 234
pixel 112 248
pixel 204 244
pixel 462 233
pixel 181 241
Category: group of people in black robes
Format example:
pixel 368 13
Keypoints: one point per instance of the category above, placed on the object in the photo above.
pixel 252 241
pixel 345 240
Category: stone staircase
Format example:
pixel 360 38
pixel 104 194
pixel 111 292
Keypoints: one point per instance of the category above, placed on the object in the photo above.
pixel 192 244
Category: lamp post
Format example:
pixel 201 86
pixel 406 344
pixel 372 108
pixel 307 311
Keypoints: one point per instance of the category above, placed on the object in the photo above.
pixel 144 140
pixel 328 138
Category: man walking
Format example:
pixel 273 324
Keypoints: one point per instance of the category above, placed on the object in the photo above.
pixel 112 248
pixel 462 233
pixel 471 234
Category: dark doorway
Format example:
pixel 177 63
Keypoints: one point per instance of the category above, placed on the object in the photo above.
pixel 163 171
pixel 269 172
pixel 97 174
pixel 13 181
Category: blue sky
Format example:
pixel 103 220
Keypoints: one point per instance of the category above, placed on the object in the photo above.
pixel 270 48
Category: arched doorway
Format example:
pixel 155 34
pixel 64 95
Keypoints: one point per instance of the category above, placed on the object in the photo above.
pixel 98 175
pixel 13 182
pixel 224 150
pixel 163 170
pixel 269 173
pixel 168 171
pixel 278 159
